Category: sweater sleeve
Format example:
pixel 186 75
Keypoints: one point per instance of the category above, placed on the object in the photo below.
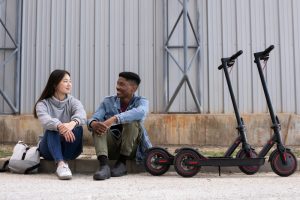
pixel 48 122
pixel 78 112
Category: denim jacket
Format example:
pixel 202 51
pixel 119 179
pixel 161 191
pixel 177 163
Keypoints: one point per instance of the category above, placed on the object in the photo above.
pixel 136 111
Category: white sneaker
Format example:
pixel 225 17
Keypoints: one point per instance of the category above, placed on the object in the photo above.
pixel 63 172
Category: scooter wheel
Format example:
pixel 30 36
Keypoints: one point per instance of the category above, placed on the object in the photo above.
pixel 180 163
pixel 152 167
pixel 249 170
pixel 279 167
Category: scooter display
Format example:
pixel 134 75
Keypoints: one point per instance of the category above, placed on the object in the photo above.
pixel 283 161
pixel 187 161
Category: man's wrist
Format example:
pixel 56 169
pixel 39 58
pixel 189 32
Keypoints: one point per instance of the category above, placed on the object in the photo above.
pixel 116 120
pixel 90 125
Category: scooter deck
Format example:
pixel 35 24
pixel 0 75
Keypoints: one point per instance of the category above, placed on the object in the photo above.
pixel 227 161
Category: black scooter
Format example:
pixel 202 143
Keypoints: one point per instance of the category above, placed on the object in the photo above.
pixel 188 161
pixel 282 160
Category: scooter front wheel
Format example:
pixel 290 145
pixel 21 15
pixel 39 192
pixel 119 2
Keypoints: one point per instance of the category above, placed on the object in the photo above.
pixel 249 170
pixel 280 168
pixel 181 163
pixel 151 164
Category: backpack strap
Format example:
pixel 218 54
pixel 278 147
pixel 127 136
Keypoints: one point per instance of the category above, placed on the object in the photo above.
pixel 31 168
pixel 28 170
pixel 4 167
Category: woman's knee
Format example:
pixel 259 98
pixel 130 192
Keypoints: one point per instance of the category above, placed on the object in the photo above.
pixel 78 132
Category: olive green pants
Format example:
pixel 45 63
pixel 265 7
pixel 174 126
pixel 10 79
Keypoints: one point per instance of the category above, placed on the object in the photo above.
pixel 126 144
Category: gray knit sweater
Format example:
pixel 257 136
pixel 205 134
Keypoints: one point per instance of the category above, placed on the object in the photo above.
pixel 51 112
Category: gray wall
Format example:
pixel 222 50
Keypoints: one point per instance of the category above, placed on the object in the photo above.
pixel 8 10
pixel 252 25
pixel 95 40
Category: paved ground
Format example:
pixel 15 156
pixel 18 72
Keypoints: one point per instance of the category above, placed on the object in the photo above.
pixel 144 186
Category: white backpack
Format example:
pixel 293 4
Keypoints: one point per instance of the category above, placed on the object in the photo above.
pixel 24 160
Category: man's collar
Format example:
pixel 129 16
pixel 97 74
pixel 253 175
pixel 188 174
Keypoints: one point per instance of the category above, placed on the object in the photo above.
pixel 117 103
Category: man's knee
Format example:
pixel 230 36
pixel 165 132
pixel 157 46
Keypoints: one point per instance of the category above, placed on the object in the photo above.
pixel 99 141
pixel 131 129
pixel 100 144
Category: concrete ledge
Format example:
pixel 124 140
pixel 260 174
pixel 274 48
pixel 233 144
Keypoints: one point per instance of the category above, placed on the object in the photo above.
pixel 174 129
pixel 89 166
pixel 86 166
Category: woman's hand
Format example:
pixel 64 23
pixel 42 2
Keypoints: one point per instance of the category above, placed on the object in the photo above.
pixel 65 130
pixel 71 125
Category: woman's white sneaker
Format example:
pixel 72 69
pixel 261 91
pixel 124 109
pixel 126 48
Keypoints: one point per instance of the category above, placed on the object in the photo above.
pixel 63 172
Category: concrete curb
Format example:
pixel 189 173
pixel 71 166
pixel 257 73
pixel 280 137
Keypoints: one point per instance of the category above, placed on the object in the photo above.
pixel 89 166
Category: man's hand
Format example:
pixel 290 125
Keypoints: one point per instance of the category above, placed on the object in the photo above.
pixel 101 128
pixel 109 122
pixel 98 127
pixel 66 132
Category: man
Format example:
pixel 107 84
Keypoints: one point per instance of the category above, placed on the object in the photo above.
pixel 117 127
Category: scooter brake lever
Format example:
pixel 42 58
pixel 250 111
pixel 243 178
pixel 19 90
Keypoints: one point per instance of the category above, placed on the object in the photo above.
pixel 265 57
pixel 230 63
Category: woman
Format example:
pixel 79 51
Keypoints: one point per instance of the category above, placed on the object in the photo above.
pixel 62 117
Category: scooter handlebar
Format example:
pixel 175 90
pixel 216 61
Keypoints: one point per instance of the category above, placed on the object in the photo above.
pixel 265 52
pixel 236 55
pixel 232 58
pixel 268 50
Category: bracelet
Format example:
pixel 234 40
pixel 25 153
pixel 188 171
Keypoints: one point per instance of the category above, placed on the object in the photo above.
pixel 77 123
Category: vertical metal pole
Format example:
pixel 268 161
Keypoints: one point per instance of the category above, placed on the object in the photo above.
pixel 166 57
pixel 185 34
pixel 200 70
pixel 18 67
pixel 185 49
pixel 109 47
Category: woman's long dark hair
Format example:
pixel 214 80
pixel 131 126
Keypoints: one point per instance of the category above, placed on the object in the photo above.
pixel 54 79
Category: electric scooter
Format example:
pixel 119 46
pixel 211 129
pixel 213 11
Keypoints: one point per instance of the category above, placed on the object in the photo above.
pixel 187 161
pixel 283 161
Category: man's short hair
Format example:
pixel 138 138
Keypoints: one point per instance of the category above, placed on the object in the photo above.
pixel 131 76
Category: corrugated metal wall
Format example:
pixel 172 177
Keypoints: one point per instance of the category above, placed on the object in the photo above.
pixel 252 25
pixel 95 40
pixel 8 15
